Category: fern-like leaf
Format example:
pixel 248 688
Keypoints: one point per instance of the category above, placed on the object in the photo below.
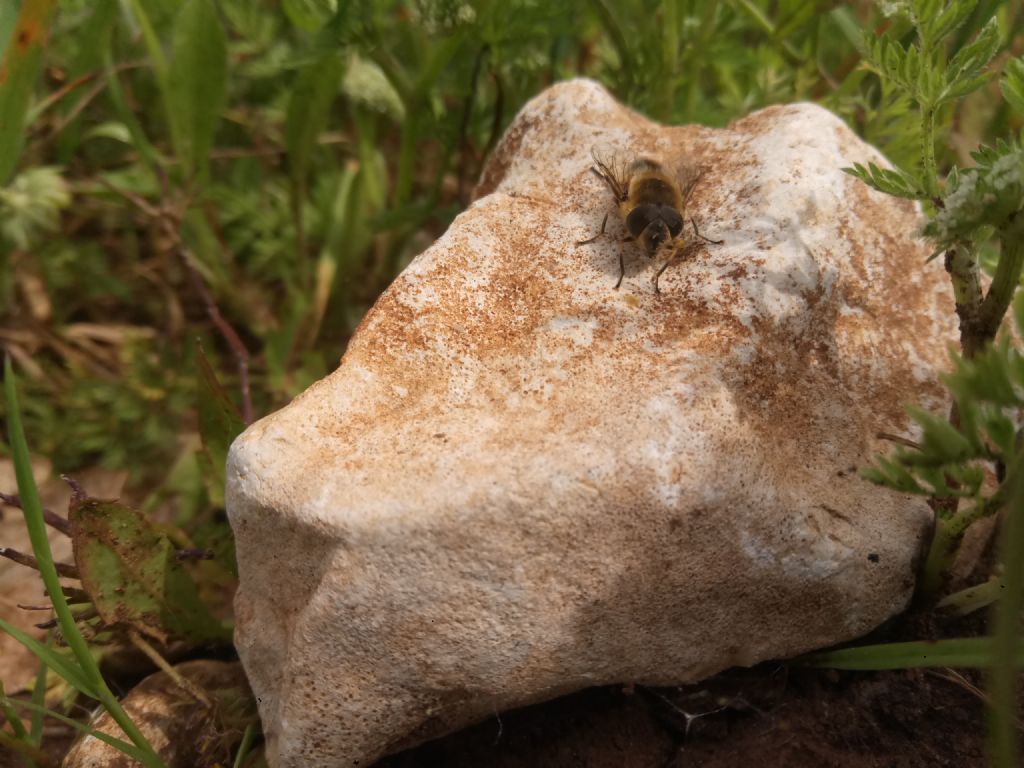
pixel 964 73
pixel 941 24
pixel 1012 84
pixel 892 181
pixel 985 196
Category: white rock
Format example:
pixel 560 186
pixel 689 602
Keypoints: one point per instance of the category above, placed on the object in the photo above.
pixel 521 482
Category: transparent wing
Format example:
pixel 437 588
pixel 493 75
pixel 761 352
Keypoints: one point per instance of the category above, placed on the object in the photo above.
pixel 612 170
pixel 688 176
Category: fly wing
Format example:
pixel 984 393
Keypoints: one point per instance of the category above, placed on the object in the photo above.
pixel 612 170
pixel 688 175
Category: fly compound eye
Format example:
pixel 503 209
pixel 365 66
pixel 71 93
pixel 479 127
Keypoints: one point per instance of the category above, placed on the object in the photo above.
pixel 673 220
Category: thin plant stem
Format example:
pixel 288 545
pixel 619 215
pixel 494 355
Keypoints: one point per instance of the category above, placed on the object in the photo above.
pixel 164 666
pixel 949 532
pixel 248 736
pixel 39 698
pixel 1004 281
pixel 12 716
pixel 930 170
pixel 65 570
pixel 972 598
pixel 1002 678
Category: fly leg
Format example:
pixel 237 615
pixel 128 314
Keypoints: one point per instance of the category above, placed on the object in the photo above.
pixel 604 221
pixel 678 252
pixel 622 263
pixel 705 239
pixel 658 273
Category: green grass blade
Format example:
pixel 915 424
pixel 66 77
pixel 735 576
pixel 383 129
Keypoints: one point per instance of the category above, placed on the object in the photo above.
pixel 122 746
pixel 155 50
pixel 314 90
pixel 32 755
pixel 39 697
pixel 150 39
pixel 68 670
pixel 243 749
pixel 8 16
pixel 22 60
pixel 33 512
pixel 23 741
pixel 970 652
pixel 197 80
pixel 12 715
pixel 124 113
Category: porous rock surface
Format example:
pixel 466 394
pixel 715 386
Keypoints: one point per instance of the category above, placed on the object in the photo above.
pixel 521 482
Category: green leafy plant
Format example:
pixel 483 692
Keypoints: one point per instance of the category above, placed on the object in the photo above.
pixel 988 392
pixel 950 463
pixel 968 208
pixel 967 462
pixel 954 462
pixel 134 587
pixel 22 51
pixel 26 742
pixel 244 177
pixel 30 206
pixel 81 670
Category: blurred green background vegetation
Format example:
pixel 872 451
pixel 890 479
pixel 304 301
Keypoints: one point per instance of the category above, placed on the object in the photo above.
pixel 200 199
pixel 280 161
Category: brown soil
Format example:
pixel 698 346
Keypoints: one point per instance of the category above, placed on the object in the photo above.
pixel 771 716
pixel 768 717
